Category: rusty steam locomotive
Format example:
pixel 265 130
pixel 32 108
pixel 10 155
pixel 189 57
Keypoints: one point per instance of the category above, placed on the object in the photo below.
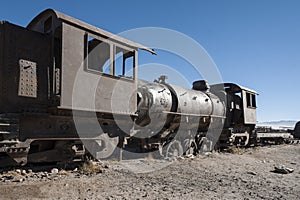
pixel 39 66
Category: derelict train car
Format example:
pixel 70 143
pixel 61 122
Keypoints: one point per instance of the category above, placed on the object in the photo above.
pixel 38 69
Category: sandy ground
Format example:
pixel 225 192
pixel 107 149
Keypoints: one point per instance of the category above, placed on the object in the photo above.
pixel 243 175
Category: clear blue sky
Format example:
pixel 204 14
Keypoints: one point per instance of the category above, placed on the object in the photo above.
pixel 254 43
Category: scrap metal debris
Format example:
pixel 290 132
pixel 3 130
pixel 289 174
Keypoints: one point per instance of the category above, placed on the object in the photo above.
pixel 283 170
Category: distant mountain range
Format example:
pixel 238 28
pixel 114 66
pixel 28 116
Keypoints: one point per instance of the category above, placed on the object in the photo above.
pixel 282 124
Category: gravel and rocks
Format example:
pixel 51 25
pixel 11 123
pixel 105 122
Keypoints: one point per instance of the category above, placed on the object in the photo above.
pixel 248 174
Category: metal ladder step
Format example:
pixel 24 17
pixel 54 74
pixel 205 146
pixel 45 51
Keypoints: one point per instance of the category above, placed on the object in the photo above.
pixel 9 128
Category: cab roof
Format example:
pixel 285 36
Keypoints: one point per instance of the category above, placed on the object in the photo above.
pixel 234 87
pixel 57 17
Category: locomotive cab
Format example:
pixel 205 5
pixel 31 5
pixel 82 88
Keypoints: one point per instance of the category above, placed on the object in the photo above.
pixel 240 115
pixel 90 62
pixel 241 104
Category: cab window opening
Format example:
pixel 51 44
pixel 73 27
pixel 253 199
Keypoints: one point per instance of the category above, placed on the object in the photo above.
pixel 251 100
pixel 108 58
pixel 248 99
pixel 97 55
pixel 124 63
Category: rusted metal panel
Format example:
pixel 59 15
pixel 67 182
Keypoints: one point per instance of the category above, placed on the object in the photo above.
pixel 72 59
pixel 22 44
pixel 28 79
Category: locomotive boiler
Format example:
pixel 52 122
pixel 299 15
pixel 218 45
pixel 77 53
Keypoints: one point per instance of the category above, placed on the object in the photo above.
pixel 51 110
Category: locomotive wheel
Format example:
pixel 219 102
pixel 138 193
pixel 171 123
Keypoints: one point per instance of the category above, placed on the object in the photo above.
pixel 189 147
pixel 174 150
pixel 205 145
pixel 102 147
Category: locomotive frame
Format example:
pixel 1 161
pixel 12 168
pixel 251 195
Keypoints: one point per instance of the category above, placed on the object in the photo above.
pixel 38 70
